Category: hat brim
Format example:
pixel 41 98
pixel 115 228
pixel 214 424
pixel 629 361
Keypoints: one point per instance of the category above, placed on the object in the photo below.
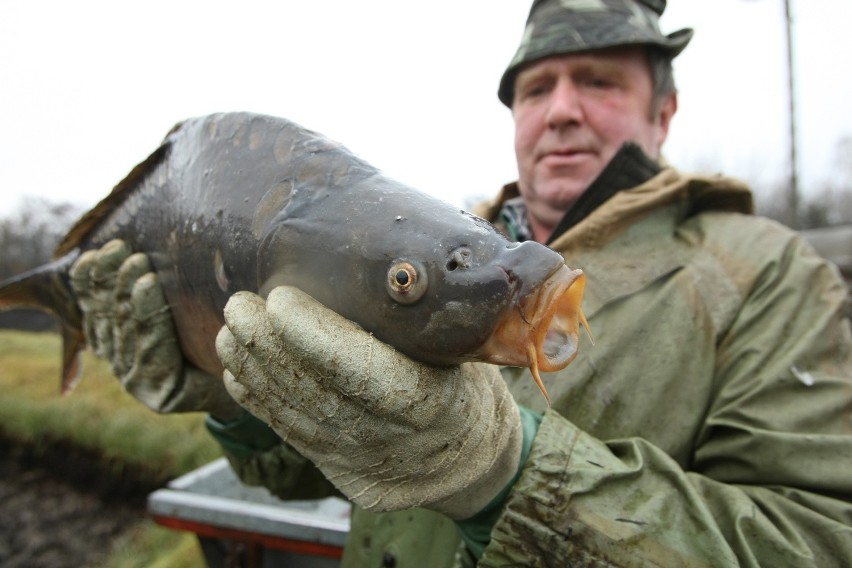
pixel 673 44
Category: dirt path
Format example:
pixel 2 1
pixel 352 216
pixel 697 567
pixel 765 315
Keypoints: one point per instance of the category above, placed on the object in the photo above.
pixel 60 511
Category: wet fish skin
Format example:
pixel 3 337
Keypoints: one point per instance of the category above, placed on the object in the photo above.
pixel 240 201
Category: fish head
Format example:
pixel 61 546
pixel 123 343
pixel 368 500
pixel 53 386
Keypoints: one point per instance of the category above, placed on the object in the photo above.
pixel 476 295
pixel 439 284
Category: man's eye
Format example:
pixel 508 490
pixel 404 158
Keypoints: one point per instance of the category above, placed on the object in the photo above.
pixel 533 91
pixel 598 83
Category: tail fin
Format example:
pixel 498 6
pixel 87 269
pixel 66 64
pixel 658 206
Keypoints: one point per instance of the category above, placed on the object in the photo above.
pixel 48 288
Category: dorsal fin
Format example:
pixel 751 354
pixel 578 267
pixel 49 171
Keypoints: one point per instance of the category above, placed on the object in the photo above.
pixel 116 197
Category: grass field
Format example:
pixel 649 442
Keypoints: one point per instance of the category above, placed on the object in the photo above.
pixel 98 415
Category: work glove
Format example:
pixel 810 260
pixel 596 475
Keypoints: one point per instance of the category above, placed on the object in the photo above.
pixel 390 433
pixel 127 321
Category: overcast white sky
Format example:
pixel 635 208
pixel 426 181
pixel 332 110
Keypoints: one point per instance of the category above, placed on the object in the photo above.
pixel 89 88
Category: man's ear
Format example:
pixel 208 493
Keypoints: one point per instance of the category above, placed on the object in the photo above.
pixel 668 108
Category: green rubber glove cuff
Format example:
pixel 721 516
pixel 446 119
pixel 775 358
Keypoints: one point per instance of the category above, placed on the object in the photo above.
pixel 243 437
pixel 476 531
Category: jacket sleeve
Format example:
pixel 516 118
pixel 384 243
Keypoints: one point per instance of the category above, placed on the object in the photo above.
pixel 260 458
pixel 769 482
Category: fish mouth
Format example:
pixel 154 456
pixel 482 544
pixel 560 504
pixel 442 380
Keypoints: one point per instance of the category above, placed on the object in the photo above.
pixel 542 331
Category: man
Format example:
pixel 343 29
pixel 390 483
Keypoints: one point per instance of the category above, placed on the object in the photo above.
pixel 708 426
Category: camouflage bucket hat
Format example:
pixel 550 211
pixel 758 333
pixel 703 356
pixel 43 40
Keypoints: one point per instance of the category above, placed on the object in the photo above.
pixel 556 27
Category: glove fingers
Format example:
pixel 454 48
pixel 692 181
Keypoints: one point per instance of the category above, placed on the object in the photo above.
pixel 109 259
pixel 262 379
pixel 125 324
pixel 154 356
pixel 128 273
pixel 152 316
pixel 81 282
pixel 246 347
pixel 258 354
pixel 358 365
pixel 245 318
pixel 147 301
pixel 308 354
pixel 102 275
pixel 80 274
pixel 291 424
pixel 243 396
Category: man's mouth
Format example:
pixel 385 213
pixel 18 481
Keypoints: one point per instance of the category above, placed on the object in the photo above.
pixel 568 157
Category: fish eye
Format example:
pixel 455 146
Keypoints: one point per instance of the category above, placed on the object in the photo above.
pixel 406 282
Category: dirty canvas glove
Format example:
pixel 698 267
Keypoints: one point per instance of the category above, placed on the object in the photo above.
pixel 127 321
pixel 388 432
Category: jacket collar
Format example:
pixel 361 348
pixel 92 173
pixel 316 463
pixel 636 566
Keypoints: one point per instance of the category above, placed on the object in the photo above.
pixel 631 239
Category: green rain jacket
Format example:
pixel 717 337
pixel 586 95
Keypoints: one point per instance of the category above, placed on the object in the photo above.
pixel 710 423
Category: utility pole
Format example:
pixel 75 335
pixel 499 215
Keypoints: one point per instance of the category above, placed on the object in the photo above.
pixel 793 188
pixel 793 195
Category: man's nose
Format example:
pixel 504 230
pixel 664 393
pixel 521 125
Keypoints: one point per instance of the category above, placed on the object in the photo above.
pixel 564 106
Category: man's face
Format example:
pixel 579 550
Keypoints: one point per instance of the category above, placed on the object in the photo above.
pixel 572 113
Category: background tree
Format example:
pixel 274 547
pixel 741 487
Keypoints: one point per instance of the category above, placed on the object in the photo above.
pixel 829 204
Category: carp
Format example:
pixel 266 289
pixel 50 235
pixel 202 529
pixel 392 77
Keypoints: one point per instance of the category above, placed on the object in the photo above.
pixel 240 201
